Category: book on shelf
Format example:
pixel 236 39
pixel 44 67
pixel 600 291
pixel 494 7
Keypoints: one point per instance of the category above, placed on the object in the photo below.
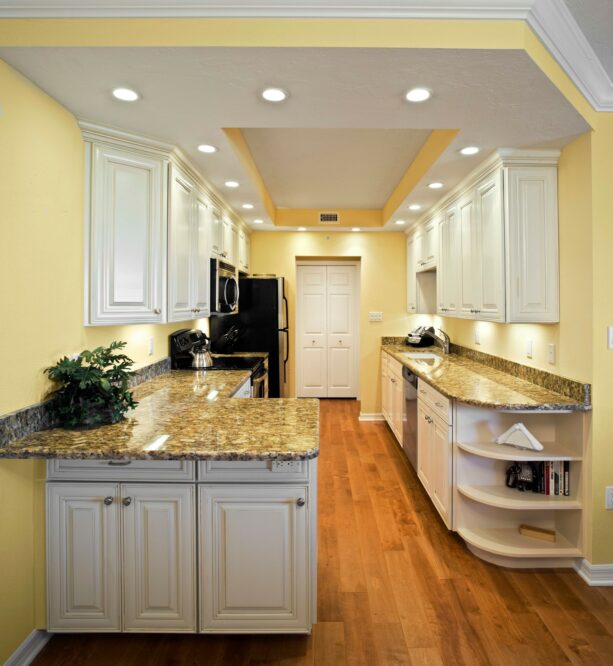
pixel 551 477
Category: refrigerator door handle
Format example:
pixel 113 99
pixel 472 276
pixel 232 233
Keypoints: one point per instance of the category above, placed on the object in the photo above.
pixel 286 322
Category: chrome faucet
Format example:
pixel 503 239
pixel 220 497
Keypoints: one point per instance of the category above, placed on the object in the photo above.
pixel 441 339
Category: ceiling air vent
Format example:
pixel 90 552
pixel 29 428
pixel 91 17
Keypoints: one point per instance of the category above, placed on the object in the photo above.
pixel 329 218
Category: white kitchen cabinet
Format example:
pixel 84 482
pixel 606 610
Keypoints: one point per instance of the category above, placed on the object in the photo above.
pixel 83 557
pixel 392 394
pixel 386 408
pixel 468 250
pixel 159 557
pixel 434 450
pixel 227 241
pixel 244 248
pixel 255 558
pixel 125 235
pixel 532 250
pixel 448 262
pixel 421 281
pixel 426 246
pixel 188 250
pixel 121 557
pixel 411 275
pixel 216 232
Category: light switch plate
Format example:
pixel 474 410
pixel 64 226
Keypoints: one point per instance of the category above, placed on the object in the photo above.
pixel 551 354
pixel 529 346
pixel 375 316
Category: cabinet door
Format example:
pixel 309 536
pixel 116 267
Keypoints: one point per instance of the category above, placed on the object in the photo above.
pixel 441 474
pixel 385 391
pixel 247 251
pixel 216 234
pixel 448 263
pixel 201 249
pixel 491 281
pixel 159 543
pixel 243 250
pixel 470 259
pixel 180 247
pixel 430 244
pixel 127 237
pixel 411 276
pixel 424 453
pixel 398 400
pixel 83 557
pixel 254 558
pixel 533 272
pixel 227 240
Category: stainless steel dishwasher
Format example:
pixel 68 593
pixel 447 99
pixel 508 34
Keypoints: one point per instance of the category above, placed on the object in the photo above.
pixel 409 416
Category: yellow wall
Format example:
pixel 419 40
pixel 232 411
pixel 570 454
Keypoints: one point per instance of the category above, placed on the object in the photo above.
pixel 509 340
pixel 382 265
pixel 41 277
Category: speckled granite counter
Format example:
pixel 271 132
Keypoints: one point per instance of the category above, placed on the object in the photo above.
pixel 189 415
pixel 473 383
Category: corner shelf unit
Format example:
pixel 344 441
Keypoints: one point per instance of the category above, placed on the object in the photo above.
pixel 487 514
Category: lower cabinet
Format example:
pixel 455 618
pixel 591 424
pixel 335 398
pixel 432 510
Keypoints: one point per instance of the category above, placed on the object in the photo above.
pixel 232 557
pixel 434 458
pixel 392 394
pixel 254 544
pixel 109 543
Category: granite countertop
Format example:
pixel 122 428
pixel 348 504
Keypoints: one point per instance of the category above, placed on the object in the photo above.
pixel 467 381
pixel 189 415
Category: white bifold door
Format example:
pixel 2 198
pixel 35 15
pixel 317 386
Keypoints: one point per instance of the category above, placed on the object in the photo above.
pixel 326 331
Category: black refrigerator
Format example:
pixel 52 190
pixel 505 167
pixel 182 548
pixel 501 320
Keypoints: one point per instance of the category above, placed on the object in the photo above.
pixel 262 326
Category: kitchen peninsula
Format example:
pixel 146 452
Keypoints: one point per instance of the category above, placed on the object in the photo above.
pixel 149 520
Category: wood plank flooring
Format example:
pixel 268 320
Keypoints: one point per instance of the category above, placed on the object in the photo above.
pixel 395 587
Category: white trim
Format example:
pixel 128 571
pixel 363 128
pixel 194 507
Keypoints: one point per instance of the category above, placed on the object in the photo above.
pixel 371 417
pixel 551 21
pixel 595 575
pixel 29 648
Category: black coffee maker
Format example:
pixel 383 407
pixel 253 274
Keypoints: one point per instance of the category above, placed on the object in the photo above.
pixel 189 350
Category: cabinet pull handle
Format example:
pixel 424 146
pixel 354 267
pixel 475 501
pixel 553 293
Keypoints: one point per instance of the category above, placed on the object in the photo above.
pixel 422 391
pixel 126 501
pixel 439 405
pixel 157 311
pixel 108 500
pixel 119 463
pixel 300 501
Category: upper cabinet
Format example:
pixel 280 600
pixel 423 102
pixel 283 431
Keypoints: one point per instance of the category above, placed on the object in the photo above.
pixel 188 250
pixel 126 236
pixel 498 243
pixel 151 229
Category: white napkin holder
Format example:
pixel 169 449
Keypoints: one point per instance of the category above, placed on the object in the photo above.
pixel 519 436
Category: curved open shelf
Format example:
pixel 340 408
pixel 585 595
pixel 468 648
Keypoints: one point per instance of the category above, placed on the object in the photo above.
pixel 504 452
pixel 509 498
pixel 509 542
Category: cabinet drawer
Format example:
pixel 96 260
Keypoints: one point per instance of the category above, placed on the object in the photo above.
pixel 439 403
pixel 394 367
pixel 121 470
pixel 268 471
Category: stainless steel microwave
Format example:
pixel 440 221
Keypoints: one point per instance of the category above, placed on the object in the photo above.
pixel 224 288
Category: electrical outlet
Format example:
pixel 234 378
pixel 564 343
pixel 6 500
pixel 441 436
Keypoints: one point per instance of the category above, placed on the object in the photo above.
pixel 151 346
pixel 375 316
pixel 551 354
pixel 477 335
pixel 609 497
pixel 529 345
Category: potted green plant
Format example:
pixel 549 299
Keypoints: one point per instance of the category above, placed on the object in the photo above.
pixel 93 387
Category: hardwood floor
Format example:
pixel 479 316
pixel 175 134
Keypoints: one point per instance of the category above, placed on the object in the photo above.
pixel 395 587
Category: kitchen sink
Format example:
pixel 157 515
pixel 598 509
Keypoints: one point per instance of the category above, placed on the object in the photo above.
pixel 424 357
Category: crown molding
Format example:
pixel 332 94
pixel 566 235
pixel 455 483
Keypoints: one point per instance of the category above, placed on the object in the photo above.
pixel 551 21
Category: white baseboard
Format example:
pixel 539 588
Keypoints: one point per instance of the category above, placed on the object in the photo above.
pixel 371 417
pixel 27 651
pixel 596 575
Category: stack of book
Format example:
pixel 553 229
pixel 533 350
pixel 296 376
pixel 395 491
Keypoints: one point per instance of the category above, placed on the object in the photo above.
pixel 552 477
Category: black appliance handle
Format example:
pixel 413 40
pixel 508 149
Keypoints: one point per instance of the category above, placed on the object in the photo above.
pixel 285 360
pixel 286 322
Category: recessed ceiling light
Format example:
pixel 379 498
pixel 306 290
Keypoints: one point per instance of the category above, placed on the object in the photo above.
pixel 207 148
pixel 399 221
pixel 469 150
pixel 274 94
pixel 247 206
pixel 414 207
pixel 258 221
pixel 355 229
pixel 231 183
pixel 435 186
pixel 418 95
pixel 125 94
pixel 301 228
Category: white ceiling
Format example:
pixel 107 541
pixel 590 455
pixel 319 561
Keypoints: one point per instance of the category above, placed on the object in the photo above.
pixel 496 98
pixel 333 168
pixel 595 18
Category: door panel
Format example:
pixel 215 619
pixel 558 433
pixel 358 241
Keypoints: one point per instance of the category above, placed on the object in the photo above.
pixel 83 557
pixel 180 248
pixel 254 547
pixel 469 260
pixel 202 269
pixel 159 557
pixel 311 335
